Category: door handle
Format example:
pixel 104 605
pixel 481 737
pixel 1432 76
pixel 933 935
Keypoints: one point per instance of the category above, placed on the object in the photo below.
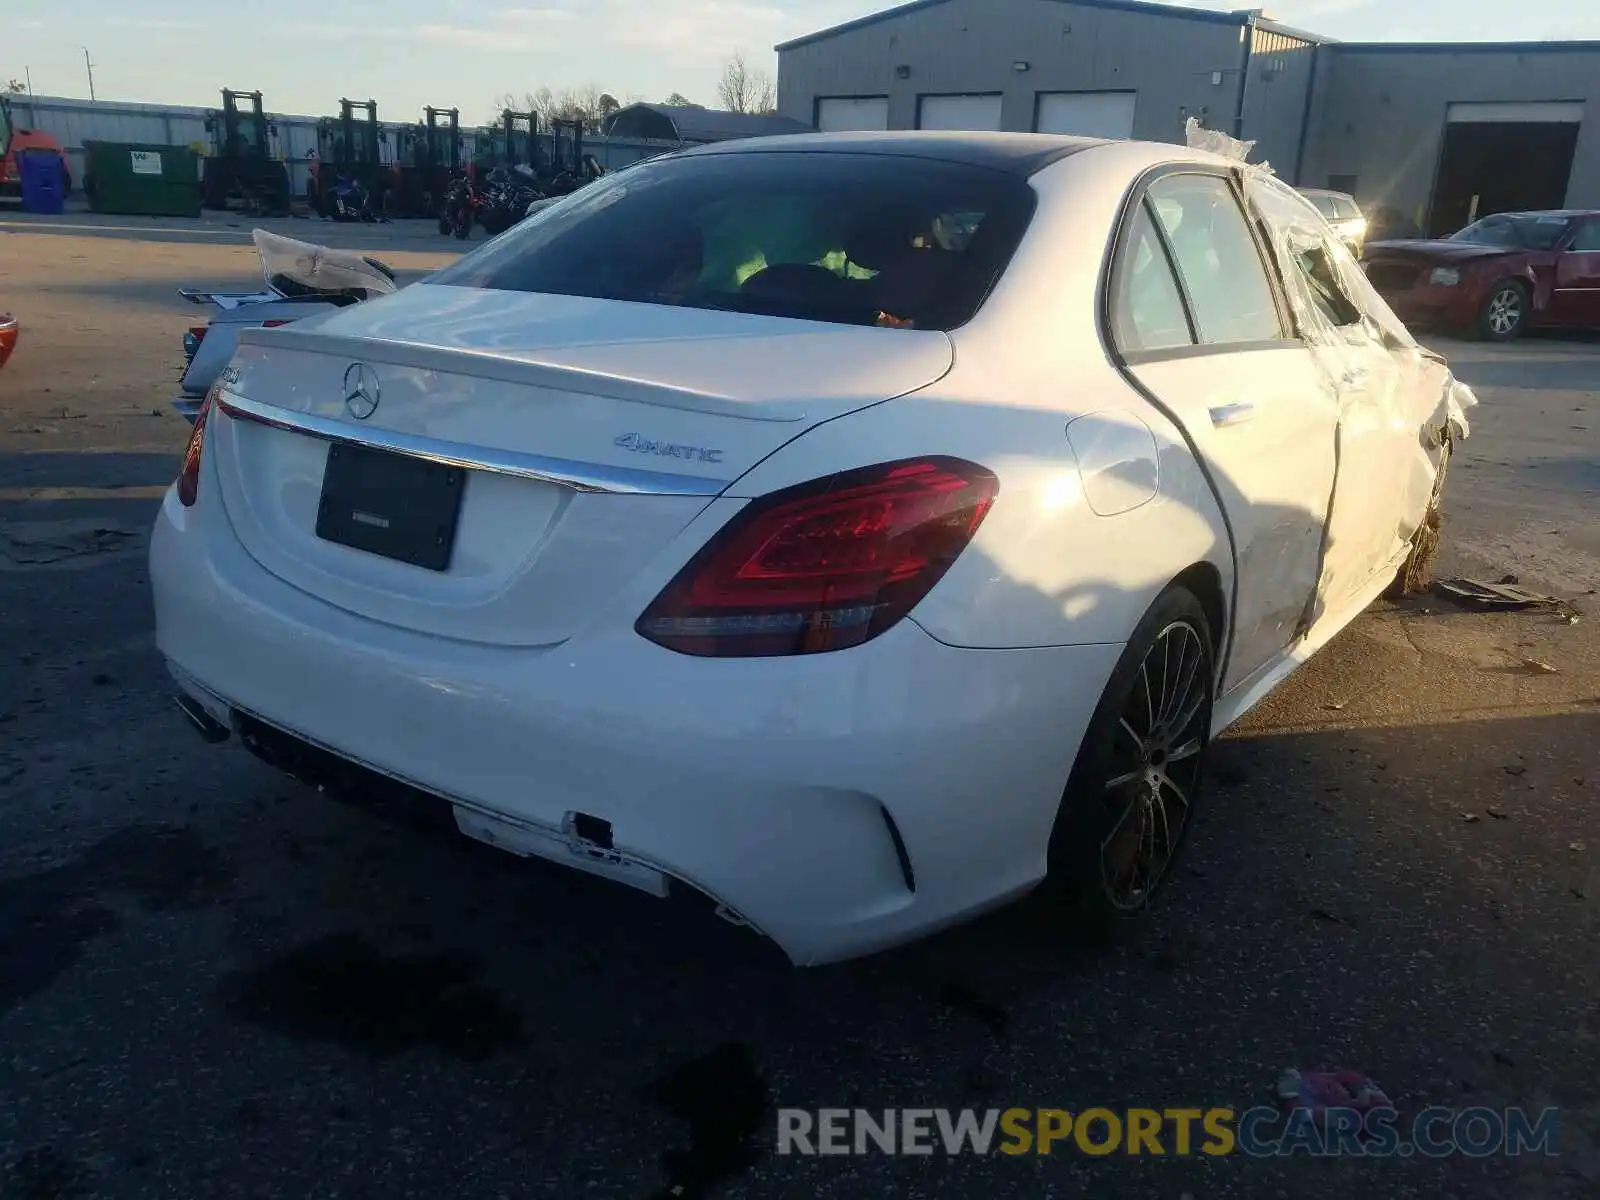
pixel 1232 414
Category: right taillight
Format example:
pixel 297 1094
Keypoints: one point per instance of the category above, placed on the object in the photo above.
pixel 823 565
pixel 189 474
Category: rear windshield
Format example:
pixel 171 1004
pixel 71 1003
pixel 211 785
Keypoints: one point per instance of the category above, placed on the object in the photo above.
pixel 1517 233
pixel 1324 203
pixel 862 239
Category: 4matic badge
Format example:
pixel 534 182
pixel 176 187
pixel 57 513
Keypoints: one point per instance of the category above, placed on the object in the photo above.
pixel 643 445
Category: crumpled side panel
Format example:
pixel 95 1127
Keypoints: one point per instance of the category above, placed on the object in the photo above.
pixel 1384 380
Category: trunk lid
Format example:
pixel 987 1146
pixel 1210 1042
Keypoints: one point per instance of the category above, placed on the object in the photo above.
pixel 592 433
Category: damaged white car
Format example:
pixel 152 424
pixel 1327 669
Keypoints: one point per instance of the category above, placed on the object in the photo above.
pixel 859 530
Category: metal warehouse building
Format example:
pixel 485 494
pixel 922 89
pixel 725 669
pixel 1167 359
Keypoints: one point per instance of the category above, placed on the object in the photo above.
pixel 1440 132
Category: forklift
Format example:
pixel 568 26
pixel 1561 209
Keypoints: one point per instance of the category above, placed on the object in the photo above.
pixel 427 157
pixel 515 141
pixel 347 147
pixel 241 168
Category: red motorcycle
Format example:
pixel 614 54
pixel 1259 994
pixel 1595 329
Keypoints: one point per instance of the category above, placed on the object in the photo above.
pixel 462 204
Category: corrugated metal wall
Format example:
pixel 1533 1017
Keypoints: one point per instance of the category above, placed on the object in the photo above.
pixel 73 122
pixel 1380 113
pixel 1275 99
pixel 1182 64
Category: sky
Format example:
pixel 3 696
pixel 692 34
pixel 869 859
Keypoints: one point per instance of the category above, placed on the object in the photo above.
pixel 306 54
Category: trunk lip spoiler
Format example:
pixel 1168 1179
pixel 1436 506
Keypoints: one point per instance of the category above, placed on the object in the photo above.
pixel 531 372
pixel 579 476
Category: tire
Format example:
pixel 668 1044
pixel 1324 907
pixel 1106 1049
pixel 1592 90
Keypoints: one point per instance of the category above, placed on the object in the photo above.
pixel 1504 315
pixel 1126 782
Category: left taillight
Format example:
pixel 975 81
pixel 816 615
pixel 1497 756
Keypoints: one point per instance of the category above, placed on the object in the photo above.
pixel 189 475
pixel 825 565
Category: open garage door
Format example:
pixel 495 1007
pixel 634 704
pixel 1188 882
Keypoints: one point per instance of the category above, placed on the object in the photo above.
pixel 958 112
pixel 1503 158
pixel 1086 114
pixel 840 114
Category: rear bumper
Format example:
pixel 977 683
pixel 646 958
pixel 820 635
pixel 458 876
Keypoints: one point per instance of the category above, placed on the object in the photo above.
pixel 839 803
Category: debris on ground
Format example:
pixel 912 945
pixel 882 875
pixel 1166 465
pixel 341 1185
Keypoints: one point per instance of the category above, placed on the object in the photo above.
pixel 1516 769
pixel 1539 668
pixel 1579 847
pixel 45 543
pixel 1470 818
pixel 1506 595
pixel 1333 918
pixel 1499 814
pixel 1318 1091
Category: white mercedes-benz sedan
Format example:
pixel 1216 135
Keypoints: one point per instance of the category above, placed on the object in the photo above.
pixel 859 530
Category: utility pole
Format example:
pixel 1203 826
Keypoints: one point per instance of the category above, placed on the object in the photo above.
pixel 90 67
pixel 28 75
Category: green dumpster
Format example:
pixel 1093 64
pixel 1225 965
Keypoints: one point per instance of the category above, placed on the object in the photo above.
pixel 134 179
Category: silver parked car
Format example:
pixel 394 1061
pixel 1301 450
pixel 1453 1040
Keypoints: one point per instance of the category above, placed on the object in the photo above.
pixel 1343 213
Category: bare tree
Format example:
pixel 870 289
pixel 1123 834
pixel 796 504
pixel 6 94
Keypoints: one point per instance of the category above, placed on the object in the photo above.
pixel 16 85
pixel 587 104
pixel 745 89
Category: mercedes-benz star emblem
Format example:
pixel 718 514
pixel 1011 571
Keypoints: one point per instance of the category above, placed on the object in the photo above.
pixel 361 391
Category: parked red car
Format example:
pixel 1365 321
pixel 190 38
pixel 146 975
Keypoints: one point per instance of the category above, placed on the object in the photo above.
pixel 8 336
pixel 1498 277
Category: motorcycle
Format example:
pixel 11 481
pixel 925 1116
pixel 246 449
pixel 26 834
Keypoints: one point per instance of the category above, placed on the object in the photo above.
pixel 461 205
pixel 348 200
pixel 507 195
pixel 302 280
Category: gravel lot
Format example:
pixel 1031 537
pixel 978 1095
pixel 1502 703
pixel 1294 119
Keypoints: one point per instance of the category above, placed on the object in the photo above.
pixel 216 982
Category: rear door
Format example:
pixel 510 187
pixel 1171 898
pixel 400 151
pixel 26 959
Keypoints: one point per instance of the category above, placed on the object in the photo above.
pixel 1575 299
pixel 1198 321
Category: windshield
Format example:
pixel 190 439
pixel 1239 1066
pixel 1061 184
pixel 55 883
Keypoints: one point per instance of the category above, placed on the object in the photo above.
pixel 1515 232
pixel 860 239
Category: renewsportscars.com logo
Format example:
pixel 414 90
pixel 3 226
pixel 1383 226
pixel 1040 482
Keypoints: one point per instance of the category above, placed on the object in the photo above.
pixel 1263 1132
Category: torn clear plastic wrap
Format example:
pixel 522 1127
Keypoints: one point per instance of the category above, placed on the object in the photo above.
pixel 1217 142
pixel 290 266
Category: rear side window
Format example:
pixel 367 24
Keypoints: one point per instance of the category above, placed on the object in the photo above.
pixel 860 239
pixel 1588 239
pixel 1217 260
pixel 1147 308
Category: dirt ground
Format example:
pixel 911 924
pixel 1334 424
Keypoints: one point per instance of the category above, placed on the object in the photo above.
pixel 213 981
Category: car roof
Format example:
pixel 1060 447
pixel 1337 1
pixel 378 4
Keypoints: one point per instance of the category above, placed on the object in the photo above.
pixel 1021 154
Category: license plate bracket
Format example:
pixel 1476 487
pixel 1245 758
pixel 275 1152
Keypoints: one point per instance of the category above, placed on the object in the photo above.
pixel 392 505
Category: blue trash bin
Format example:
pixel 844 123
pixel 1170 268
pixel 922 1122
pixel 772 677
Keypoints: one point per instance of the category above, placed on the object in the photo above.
pixel 42 190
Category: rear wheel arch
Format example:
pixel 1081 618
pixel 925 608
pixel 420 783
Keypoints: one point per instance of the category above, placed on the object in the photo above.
pixel 1204 581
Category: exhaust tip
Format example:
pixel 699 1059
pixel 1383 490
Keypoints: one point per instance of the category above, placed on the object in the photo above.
pixel 211 730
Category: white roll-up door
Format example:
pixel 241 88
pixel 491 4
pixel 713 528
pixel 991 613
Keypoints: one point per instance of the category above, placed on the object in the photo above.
pixel 1087 114
pixel 959 112
pixel 1559 112
pixel 837 114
